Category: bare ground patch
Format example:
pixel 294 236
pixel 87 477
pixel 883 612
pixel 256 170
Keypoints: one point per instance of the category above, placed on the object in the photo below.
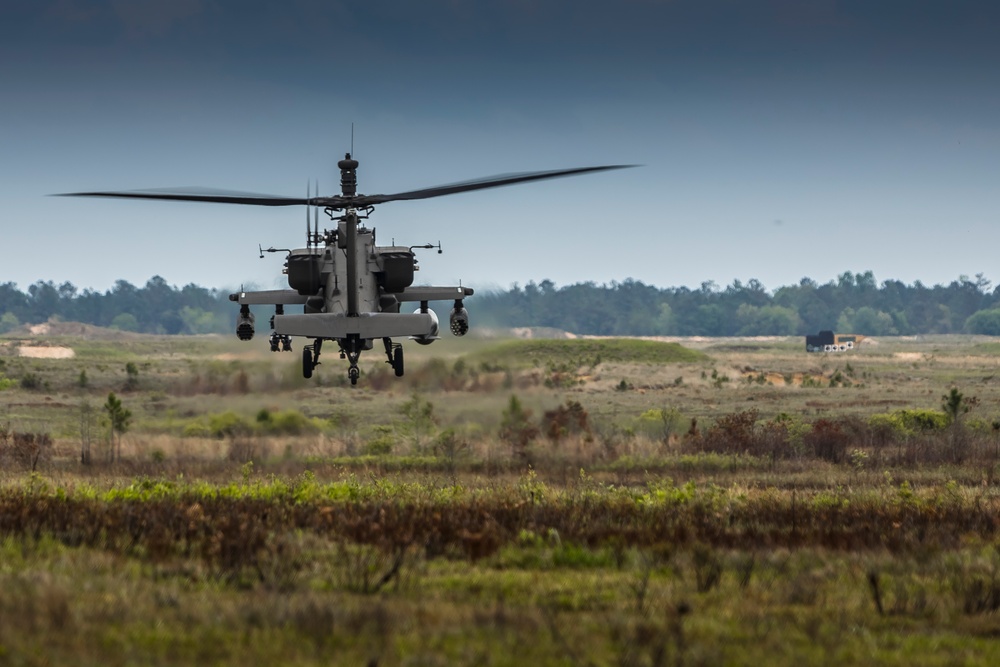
pixel 45 352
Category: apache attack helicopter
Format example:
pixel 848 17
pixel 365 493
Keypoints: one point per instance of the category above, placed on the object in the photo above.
pixel 351 290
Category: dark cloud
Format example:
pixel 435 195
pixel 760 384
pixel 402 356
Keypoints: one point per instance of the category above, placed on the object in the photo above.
pixel 423 41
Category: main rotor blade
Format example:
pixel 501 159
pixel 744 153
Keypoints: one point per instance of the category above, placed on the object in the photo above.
pixel 339 202
pixel 199 195
pixel 480 184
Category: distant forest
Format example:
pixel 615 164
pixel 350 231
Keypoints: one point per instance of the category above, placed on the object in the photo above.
pixel 853 303
pixel 155 308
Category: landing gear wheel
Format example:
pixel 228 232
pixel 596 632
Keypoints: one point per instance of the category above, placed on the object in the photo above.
pixel 394 356
pixel 353 373
pixel 397 361
pixel 307 363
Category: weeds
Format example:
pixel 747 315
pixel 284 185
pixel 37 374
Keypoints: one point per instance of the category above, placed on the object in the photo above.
pixel 812 527
pixel 24 450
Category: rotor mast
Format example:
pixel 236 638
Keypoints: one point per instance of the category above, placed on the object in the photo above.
pixel 349 189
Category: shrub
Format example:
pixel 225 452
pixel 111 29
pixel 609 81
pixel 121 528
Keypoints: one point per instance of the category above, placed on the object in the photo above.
pixel 31 382
pixel 228 424
pixel 25 450
pixel 381 443
pixel 579 557
pixel 287 422
pixel 739 433
pixel 196 430
pixel 131 376
pixel 569 419
pixel 450 445
pixel 903 424
pixel 419 420
pixel 827 441
pixel 516 428
pixel 660 423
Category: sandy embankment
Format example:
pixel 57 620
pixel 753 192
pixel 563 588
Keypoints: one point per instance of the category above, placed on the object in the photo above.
pixel 37 352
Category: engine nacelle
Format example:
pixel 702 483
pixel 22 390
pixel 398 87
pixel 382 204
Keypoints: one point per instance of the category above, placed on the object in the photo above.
pixel 427 339
pixel 304 268
pixel 396 266
pixel 244 323
pixel 459 320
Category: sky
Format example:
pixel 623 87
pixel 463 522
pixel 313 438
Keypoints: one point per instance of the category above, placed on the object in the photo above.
pixel 777 139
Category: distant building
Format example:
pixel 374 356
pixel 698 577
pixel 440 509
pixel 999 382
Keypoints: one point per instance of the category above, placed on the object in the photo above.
pixel 827 341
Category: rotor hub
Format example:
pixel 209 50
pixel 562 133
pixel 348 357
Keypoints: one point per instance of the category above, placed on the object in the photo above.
pixel 348 176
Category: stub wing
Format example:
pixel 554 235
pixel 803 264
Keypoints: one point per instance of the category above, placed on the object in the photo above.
pixel 433 293
pixel 269 297
pixel 365 326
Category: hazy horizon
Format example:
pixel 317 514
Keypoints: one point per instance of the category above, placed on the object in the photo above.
pixel 987 286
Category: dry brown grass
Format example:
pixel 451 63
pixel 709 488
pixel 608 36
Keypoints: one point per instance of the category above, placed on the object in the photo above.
pixel 633 538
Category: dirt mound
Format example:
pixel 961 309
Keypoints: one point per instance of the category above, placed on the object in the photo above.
pixel 46 352
pixel 77 330
pixel 534 333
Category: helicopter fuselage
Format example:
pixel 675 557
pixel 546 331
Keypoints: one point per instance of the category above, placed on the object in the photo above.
pixel 351 291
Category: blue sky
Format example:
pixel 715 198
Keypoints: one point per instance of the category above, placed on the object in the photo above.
pixel 779 139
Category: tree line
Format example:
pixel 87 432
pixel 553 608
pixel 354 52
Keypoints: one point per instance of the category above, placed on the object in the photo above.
pixel 157 307
pixel 853 303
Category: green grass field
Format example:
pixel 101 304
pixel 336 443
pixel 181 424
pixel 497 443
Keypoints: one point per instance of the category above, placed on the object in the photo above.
pixel 588 501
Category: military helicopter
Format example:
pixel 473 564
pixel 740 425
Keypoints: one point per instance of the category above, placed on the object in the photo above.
pixel 350 289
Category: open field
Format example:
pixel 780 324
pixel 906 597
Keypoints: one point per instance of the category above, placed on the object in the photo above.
pixel 584 501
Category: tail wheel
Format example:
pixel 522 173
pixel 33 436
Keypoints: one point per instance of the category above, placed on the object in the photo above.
pixel 307 363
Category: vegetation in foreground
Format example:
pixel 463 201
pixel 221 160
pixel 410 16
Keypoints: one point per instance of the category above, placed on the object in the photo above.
pixel 803 508
pixel 303 571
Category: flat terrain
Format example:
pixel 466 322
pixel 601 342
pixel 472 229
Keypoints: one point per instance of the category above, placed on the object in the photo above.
pixel 542 501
